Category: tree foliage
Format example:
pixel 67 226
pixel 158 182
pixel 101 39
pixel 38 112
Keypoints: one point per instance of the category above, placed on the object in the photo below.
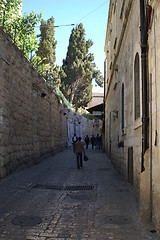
pixel 21 28
pixel 46 51
pixel 79 69
pixel 47 44
pixel 26 36
pixel 10 10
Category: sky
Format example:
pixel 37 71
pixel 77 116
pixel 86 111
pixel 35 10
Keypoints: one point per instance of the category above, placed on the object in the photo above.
pixel 92 13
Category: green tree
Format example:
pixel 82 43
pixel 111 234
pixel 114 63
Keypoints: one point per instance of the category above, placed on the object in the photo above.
pixel 9 11
pixel 26 37
pixel 47 42
pixel 46 50
pixel 79 69
pixel 21 28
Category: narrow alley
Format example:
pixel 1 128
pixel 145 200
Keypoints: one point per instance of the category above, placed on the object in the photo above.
pixel 55 201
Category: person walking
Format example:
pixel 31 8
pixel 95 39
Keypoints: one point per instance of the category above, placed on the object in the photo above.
pixel 74 140
pixel 100 142
pixel 79 148
pixel 92 141
pixel 97 141
pixel 86 141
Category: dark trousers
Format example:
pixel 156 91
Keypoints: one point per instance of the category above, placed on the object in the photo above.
pixel 74 146
pixel 79 160
pixel 92 145
pixel 87 145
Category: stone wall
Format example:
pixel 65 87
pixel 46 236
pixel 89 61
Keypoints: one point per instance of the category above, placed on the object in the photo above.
pixel 121 48
pixel 150 179
pixel 32 126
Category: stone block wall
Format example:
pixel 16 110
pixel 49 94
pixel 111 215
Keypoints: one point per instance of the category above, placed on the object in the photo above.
pixel 123 131
pixel 121 69
pixel 150 178
pixel 32 125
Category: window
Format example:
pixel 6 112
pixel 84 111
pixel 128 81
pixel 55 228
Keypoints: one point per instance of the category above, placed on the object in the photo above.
pixel 136 87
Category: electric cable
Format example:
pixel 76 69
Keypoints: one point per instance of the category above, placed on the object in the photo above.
pixel 73 24
pixel 92 11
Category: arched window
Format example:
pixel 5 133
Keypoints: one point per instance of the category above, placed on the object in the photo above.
pixel 136 87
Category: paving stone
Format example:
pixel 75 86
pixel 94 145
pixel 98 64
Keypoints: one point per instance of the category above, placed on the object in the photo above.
pixel 109 211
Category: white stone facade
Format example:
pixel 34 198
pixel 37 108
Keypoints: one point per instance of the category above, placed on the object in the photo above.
pixel 124 100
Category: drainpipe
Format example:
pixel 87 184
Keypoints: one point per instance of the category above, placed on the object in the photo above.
pixel 151 188
pixel 144 63
pixel 104 104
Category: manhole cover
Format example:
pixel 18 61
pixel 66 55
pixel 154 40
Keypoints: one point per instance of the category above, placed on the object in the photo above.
pixel 26 220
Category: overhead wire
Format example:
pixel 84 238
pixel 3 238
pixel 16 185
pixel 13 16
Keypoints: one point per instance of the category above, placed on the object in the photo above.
pixel 73 24
pixel 92 11
pixel 56 26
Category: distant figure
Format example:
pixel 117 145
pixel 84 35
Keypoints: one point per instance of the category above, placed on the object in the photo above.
pixel 92 141
pixel 79 148
pixel 74 140
pixel 86 141
pixel 98 141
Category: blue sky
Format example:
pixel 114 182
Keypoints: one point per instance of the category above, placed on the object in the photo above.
pixel 92 13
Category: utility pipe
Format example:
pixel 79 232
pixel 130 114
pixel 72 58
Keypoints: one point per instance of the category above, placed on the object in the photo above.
pixel 104 106
pixel 144 62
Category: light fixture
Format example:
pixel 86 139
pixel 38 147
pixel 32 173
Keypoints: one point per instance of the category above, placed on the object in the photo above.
pixel 115 114
pixel 43 94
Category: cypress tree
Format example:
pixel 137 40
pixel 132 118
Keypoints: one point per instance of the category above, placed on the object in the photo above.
pixel 47 42
pixel 47 51
pixel 79 69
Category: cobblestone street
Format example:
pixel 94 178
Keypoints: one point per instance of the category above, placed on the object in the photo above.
pixel 55 201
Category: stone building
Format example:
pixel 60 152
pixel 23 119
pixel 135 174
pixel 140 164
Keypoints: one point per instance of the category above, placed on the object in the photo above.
pixel 132 111
pixel 34 121
pixel 97 98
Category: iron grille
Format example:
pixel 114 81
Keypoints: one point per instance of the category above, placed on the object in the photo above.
pixel 78 188
pixel 47 186
pixel 65 188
